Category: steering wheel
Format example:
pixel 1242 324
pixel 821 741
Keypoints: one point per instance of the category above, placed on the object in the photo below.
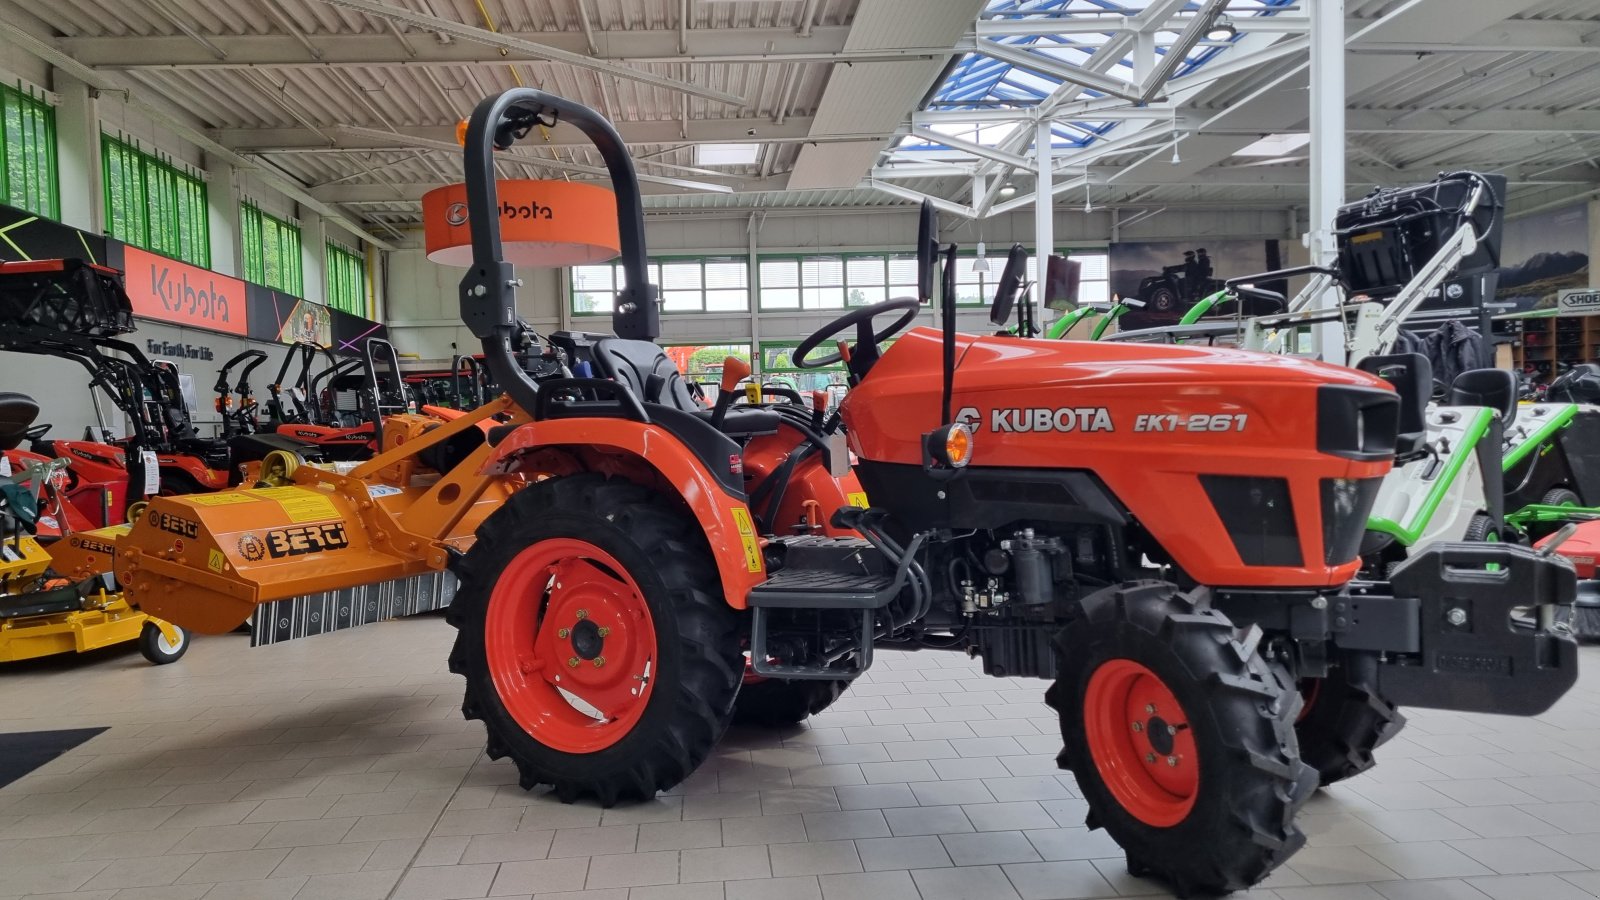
pixel 862 320
pixel 37 432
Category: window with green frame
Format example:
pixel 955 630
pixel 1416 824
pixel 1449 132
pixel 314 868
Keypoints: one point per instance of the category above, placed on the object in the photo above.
pixel 347 279
pixel 834 280
pixel 777 367
pixel 271 250
pixel 151 203
pixel 28 153
pixel 687 284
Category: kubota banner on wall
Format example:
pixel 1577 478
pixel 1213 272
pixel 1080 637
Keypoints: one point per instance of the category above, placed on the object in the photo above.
pixel 181 294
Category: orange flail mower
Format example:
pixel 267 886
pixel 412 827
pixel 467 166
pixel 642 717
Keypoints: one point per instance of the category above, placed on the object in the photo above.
pixel 1170 534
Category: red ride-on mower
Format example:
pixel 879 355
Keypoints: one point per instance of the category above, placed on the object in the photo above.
pixel 340 409
pixel 1170 533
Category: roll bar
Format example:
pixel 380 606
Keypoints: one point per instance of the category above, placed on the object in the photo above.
pixel 488 291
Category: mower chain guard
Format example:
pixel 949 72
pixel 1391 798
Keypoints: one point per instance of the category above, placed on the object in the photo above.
pixel 1472 654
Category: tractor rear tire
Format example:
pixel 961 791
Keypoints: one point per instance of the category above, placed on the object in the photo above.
pixel 1343 721
pixel 1561 497
pixel 775 702
pixel 597 646
pixel 1181 736
pixel 1481 528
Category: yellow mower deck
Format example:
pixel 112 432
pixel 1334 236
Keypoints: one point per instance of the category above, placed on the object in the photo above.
pixel 108 620
pixel 100 620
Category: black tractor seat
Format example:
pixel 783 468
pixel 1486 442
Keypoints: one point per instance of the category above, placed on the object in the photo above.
pixel 653 377
pixel 17 412
pixel 1494 388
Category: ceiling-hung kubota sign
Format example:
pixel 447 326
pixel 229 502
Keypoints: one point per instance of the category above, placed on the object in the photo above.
pixel 551 224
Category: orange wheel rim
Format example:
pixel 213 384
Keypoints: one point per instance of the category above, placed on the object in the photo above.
pixel 570 645
pixel 1141 743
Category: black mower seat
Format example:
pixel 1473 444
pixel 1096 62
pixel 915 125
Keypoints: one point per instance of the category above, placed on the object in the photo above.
pixel 1412 377
pixel 1494 388
pixel 653 377
pixel 17 412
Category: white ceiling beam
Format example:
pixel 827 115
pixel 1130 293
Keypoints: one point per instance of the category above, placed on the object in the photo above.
pixel 410 193
pixel 701 131
pixel 1231 65
pixel 106 81
pixel 514 157
pixel 939 203
pixel 536 51
pixel 1192 32
pixel 992 28
pixel 966 146
pixel 1455 121
pixel 751 46
pixel 1060 71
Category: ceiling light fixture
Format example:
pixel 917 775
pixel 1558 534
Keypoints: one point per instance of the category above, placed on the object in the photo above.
pixel 1175 159
pixel 1221 29
pixel 1088 204
pixel 1007 191
pixel 980 265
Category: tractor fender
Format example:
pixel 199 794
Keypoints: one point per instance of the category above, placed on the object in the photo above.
pixel 724 516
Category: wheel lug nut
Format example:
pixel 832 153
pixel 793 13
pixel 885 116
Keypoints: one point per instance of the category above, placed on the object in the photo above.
pixel 572 663
pixel 1138 727
pixel 1150 708
pixel 1172 761
pixel 599 661
pixel 564 633
pixel 605 632
pixel 1150 758
pixel 583 614
pixel 1172 729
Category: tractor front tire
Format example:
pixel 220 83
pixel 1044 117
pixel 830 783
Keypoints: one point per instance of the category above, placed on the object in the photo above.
pixel 1343 721
pixel 775 702
pixel 596 644
pixel 157 649
pixel 1181 737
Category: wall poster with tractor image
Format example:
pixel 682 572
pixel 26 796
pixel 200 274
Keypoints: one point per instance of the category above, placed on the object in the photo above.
pixel 1169 277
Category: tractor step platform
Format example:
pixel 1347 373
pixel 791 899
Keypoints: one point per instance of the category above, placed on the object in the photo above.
pixel 827 573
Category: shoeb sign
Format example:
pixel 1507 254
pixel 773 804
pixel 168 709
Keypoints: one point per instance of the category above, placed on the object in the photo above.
pixel 1578 302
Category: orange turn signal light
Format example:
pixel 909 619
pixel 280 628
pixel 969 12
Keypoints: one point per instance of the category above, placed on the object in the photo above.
pixel 461 132
pixel 950 447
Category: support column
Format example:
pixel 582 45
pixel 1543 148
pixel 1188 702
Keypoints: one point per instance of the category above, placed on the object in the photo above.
pixel 1044 220
pixel 78 154
pixel 222 211
pixel 314 255
pixel 1327 158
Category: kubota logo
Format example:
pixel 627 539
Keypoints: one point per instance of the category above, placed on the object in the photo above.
pixel 1036 418
pixel 456 214
pixel 530 210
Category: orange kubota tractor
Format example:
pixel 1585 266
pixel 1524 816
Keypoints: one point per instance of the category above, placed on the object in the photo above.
pixel 1168 532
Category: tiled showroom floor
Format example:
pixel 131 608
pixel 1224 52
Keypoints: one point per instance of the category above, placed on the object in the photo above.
pixel 339 768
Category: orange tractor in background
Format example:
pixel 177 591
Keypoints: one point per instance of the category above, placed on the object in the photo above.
pixel 1170 533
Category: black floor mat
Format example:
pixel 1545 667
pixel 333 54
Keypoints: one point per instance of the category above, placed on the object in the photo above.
pixel 23 751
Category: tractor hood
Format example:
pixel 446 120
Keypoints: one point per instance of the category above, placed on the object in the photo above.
pixel 1168 430
pixel 1087 388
